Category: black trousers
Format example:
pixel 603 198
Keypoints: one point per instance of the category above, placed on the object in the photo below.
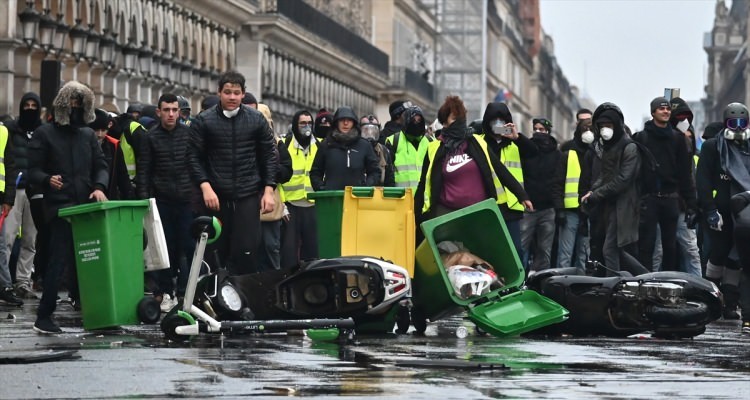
pixel 237 246
pixel 663 211
pixel 42 237
pixel 303 224
pixel 61 258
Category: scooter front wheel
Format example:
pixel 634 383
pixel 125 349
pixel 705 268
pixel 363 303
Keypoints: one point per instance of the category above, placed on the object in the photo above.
pixel 169 326
pixel 149 310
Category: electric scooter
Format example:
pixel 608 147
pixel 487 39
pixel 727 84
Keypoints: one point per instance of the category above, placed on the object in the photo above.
pixel 321 294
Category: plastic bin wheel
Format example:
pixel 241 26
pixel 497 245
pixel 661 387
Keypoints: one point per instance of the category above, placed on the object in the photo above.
pixel 403 320
pixel 149 310
pixel 169 326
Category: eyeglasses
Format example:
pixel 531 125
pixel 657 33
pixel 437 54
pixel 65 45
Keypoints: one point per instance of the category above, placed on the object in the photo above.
pixel 736 123
pixel 305 123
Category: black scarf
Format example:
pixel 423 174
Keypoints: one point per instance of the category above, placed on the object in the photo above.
pixel 455 134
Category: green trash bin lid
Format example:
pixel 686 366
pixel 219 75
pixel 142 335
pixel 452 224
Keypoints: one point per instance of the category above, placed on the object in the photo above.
pixel 100 206
pixel 517 313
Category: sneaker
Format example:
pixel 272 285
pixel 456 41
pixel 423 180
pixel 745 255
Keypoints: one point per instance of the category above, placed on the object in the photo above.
pixel 24 291
pixel 8 296
pixel 167 303
pixel 746 327
pixel 46 326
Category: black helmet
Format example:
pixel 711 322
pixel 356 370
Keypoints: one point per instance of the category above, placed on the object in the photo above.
pixel 735 110
pixel 183 103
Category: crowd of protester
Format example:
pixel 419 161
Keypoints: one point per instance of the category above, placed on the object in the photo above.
pixel 635 202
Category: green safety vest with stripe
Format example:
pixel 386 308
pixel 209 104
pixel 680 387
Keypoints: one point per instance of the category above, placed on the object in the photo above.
pixel 127 149
pixel 408 160
pixel 3 143
pixel 299 185
pixel 572 176
pixel 511 158
pixel 500 192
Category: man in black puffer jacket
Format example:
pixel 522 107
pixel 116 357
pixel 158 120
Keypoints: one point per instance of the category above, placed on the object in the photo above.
pixel 163 175
pixel 233 160
pixel 344 159
pixel 22 213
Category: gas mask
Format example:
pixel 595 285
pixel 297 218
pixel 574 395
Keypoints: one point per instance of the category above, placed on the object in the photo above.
pixel 736 129
pixel 370 132
pixel 305 130
pixel 587 137
pixel 606 133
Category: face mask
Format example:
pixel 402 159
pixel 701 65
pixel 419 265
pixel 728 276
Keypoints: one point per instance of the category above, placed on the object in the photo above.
pixel 370 132
pixel 322 131
pixel 606 133
pixel 76 116
pixel 415 129
pixel 587 137
pixel 231 114
pixel 683 125
pixel 27 117
pixel 305 130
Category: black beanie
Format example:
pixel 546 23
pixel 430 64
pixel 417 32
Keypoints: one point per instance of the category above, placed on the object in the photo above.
pixel 659 102
pixel 712 130
pixel 396 108
pixel 101 121
pixel 249 99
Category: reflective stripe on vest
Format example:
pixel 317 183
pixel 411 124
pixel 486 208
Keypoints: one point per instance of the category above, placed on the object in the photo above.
pixel 572 176
pixel 500 193
pixel 511 158
pixel 408 161
pixel 3 143
pixel 299 185
pixel 127 150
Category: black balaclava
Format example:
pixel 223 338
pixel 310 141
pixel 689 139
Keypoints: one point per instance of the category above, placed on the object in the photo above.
pixel 414 130
pixel 28 120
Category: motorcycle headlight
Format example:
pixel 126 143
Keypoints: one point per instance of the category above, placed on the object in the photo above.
pixel 230 298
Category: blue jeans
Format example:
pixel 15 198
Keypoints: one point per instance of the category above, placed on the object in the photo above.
pixel 5 280
pixel 269 251
pixel 571 244
pixel 687 248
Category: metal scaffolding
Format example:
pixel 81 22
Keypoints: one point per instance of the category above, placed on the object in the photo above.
pixel 458 59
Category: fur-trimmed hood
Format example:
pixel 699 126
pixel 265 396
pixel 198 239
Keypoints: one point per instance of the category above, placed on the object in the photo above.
pixel 61 104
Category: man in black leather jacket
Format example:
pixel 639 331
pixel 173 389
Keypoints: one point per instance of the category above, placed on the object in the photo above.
pixel 67 164
pixel 232 159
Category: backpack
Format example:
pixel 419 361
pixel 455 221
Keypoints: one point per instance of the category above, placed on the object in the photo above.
pixel 649 164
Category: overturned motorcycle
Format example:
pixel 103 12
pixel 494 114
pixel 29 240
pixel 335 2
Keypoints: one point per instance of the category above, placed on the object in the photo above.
pixel 670 304
pixel 327 293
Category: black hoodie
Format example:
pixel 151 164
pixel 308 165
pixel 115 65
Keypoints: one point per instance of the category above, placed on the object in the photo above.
pixel 494 110
pixel 301 139
pixel 679 107
pixel 20 132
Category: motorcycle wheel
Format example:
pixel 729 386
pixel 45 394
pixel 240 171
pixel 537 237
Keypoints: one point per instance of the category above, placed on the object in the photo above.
pixel 691 313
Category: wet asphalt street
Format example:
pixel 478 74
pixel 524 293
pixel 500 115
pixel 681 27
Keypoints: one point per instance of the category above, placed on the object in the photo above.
pixel 137 362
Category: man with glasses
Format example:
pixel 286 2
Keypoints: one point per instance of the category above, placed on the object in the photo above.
pixel 300 236
pixel 664 187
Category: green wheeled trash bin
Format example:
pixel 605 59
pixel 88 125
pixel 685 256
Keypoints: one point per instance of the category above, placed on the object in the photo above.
pixel 329 211
pixel 108 242
pixel 504 311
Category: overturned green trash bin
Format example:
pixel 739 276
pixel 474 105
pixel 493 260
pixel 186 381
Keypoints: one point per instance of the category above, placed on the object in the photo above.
pixel 108 243
pixel 329 211
pixel 505 311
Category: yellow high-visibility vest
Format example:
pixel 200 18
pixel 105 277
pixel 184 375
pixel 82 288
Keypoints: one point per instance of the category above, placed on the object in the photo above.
pixel 572 176
pixel 299 186
pixel 3 143
pixel 511 158
pixel 408 160
pixel 500 193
